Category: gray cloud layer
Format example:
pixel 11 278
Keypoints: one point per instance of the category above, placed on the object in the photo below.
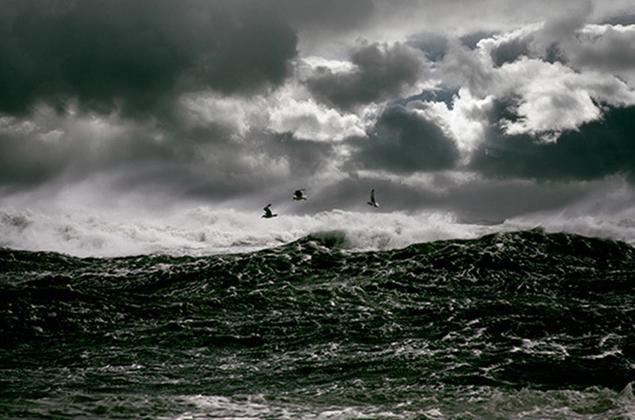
pixel 597 149
pixel 404 142
pixel 381 72
pixel 205 162
pixel 136 55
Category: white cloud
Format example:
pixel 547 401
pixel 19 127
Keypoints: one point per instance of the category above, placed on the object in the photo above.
pixel 287 110
pixel 465 122
pixel 310 121
pixel 236 113
pixel 521 34
pixel 547 97
pixel 470 69
pixel 552 97
pixel 313 62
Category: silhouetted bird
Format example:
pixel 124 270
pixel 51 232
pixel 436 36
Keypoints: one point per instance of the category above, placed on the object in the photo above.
pixel 373 202
pixel 268 214
pixel 299 195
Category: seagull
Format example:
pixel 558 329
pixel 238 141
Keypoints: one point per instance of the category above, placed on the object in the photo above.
pixel 372 201
pixel 268 214
pixel 299 195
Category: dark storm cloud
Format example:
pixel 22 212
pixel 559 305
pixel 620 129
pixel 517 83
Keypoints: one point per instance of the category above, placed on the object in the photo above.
pixel 433 45
pixel 32 157
pixel 510 51
pixel 595 150
pixel 381 71
pixel 545 42
pixel 625 18
pixel 474 200
pixel 405 142
pixel 226 175
pixel 226 169
pixel 182 161
pixel 439 94
pixel 613 50
pixel 471 39
pixel 528 45
pixel 20 165
pixel 137 54
pixel 325 15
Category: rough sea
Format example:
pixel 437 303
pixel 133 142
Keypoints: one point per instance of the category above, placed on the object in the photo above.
pixel 513 324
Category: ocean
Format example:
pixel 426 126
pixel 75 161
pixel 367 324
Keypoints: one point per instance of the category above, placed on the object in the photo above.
pixel 512 324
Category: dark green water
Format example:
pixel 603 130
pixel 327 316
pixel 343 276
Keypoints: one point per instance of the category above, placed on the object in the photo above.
pixel 512 325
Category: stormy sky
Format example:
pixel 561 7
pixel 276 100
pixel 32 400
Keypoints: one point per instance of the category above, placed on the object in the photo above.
pixel 488 109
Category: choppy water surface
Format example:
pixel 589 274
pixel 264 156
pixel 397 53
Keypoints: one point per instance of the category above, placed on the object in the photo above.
pixel 524 325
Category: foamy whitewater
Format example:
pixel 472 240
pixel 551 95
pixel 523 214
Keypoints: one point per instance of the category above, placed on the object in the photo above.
pixel 204 231
pixel 201 231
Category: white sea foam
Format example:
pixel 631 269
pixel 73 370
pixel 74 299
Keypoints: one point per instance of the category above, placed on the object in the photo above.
pixel 618 226
pixel 202 230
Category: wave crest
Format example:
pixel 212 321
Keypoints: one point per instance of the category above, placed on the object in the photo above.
pixel 205 231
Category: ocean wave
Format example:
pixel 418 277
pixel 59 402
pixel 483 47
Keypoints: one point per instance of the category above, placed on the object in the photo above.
pixel 203 231
pixel 523 323
pixel 558 303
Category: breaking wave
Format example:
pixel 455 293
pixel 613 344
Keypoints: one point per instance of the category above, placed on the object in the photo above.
pixel 204 231
pixel 201 231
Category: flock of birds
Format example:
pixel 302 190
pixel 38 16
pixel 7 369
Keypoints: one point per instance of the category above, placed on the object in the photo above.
pixel 299 195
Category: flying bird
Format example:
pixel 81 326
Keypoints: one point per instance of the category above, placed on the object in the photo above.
pixel 373 202
pixel 268 214
pixel 299 195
